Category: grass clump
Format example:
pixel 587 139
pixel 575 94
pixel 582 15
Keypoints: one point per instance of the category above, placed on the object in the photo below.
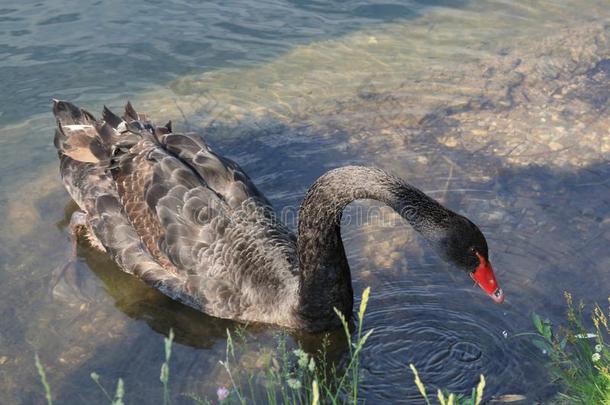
pixel 445 398
pixel 579 355
pixel 297 377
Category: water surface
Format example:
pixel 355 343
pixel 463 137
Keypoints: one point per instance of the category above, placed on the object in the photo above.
pixel 499 110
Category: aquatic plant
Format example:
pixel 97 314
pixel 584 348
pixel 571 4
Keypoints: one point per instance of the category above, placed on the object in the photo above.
pixel 579 355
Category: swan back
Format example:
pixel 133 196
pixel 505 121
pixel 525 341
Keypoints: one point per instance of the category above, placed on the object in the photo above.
pixel 184 219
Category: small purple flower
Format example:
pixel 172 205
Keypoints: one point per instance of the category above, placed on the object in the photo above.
pixel 222 393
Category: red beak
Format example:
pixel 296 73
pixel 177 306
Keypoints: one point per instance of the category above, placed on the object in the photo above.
pixel 485 278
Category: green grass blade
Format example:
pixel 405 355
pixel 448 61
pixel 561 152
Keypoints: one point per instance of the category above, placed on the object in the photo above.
pixel 43 380
pixel 119 393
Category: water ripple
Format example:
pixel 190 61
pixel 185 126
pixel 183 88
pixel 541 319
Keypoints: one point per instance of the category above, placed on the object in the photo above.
pixel 450 340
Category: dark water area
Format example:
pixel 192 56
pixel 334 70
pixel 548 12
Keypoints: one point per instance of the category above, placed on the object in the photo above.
pixel 498 110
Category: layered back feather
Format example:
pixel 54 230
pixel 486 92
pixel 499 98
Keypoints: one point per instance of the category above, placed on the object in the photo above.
pixel 182 218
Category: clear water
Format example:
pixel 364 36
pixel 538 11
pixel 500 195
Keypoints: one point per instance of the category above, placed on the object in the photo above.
pixel 500 110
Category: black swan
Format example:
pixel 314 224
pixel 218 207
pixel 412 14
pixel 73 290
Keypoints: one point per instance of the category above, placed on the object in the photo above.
pixel 192 224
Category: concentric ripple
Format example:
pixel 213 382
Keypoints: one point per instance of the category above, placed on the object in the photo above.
pixel 450 339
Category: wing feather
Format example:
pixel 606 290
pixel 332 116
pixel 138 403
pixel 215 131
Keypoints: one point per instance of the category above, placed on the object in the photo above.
pixel 184 219
pixel 221 174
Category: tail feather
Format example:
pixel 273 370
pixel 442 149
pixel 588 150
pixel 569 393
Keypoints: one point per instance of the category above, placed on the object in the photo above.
pixel 76 135
pixel 83 138
pixel 68 114
pixel 140 121
pixel 111 118
pixel 130 113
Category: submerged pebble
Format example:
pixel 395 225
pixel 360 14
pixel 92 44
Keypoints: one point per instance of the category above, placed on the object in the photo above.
pixel 508 398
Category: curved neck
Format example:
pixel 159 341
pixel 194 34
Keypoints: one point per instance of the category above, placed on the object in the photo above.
pixel 325 275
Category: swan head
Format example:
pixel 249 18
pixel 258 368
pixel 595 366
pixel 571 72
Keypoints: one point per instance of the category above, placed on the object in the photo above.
pixel 464 246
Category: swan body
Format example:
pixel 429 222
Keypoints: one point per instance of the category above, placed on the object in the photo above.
pixel 192 224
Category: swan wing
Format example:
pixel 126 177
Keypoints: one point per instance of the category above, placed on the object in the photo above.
pixel 84 162
pixel 194 214
pixel 213 225
pixel 221 174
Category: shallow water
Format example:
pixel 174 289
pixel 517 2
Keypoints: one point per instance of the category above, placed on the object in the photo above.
pixel 500 110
